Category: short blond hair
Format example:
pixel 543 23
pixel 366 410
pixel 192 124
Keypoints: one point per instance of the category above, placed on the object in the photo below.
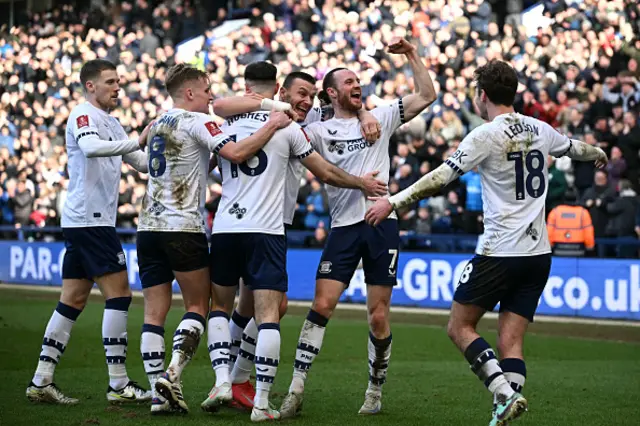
pixel 180 74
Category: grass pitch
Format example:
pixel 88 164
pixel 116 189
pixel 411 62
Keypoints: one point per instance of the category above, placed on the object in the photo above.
pixel 591 378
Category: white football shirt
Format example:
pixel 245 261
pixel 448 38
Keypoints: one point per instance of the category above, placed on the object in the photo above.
pixel 511 152
pixel 180 143
pixel 253 192
pixel 92 198
pixel 295 170
pixel 340 142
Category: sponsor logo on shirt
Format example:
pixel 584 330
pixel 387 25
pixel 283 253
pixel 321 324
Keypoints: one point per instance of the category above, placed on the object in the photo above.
pixel 82 121
pixel 238 211
pixel 351 145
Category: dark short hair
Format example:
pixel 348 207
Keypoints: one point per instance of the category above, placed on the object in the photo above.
pixel 288 82
pixel 499 81
pixel 179 74
pixel 261 72
pixel 329 81
pixel 92 69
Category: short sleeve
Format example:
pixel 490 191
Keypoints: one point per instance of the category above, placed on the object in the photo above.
pixel 208 134
pixel 472 151
pixel 84 126
pixel 559 144
pixel 300 142
pixel 390 116
pixel 313 134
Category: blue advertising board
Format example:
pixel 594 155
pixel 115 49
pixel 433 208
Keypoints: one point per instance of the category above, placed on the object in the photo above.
pixel 596 288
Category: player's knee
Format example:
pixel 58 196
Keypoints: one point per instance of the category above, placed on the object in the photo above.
pixel 453 330
pixel 75 296
pixel 323 306
pixel 378 320
pixel 77 301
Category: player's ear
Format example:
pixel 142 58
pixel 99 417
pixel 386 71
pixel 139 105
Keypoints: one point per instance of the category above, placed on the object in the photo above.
pixel 277 89
pixel 89 86
pixel 333 93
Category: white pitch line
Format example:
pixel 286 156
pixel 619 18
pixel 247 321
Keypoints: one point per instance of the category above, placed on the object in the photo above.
pixel 362 307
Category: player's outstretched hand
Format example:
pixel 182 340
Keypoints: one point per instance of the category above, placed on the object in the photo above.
pixel 370 127
pixel 142 140
pixel 602 160
pixel 379 211
pixel 279 119
pixel 400 46
pixel 372 186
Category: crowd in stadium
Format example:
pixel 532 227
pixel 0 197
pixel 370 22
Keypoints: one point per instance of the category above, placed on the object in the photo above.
pixel 581 74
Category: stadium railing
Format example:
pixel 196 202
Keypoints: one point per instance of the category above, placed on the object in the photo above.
pixel 444 243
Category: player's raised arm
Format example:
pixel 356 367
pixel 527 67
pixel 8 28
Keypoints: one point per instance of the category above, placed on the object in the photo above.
pixel 425 93
pixel 250 102
pixel 85 130
pixel 472 151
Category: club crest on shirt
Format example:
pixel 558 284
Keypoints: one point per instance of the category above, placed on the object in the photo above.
pixel 213 129
pixel 82 121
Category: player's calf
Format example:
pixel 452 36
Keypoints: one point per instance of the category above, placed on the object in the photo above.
pixel 219 344
pixel 378 345
pixel 114 339
pixel 152 350
pixel 309 344
pixel 185 343
pixel 267 303
pixel 236 327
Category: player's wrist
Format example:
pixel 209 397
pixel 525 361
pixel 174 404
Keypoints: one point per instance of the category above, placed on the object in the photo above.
pixel 270 104
pixel 395 201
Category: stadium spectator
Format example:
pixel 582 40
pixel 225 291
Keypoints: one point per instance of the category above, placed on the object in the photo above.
pixel 317 206
pixel 622 225
pixel 580 73
pixel 570 229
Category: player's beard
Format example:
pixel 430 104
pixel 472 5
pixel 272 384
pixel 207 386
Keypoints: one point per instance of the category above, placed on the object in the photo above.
pixel 348 104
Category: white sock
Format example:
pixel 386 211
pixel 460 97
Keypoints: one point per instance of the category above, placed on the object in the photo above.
pixel 267 360
pixel 309 345
pixel 114 339
pixel 237 324
pixel 153 353
pixel 56 338
pixel 219 344
pixel 241 372
pixel 379 355
pixel 515 372
pixel 484 364
pixel 185 343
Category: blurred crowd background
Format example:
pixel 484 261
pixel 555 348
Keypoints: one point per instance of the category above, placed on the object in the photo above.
pixel 579 72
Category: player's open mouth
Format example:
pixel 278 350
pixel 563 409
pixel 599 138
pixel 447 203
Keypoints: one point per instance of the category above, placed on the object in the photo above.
pixel 356 96
pixel 301 110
